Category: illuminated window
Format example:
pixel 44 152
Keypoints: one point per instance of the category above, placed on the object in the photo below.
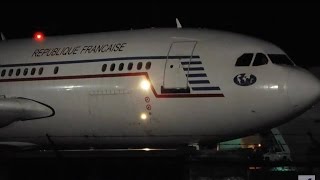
pixel 56 70
pixel 40 71
pixel 260 59
pixel 148 65
pixel 18 72
pixel 25 72
pixel 121 66
pixel 33 71
pixel 130 65
pixel 139 65
pixel 3 73
pixel 112 67
pixel 104 68
pixel 10 72
pixel 244 59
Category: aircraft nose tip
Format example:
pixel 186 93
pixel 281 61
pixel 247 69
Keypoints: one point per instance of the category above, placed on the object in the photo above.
pixel 303 89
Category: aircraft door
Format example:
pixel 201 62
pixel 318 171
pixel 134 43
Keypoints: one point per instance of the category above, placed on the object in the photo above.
pixel 177 67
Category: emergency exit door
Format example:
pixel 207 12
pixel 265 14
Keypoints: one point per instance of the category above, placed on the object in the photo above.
pixel 177 67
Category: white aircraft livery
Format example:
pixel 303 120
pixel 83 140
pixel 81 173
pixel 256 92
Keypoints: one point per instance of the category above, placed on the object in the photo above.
pixel 146 88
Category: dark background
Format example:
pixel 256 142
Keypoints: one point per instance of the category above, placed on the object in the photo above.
pixel 292 26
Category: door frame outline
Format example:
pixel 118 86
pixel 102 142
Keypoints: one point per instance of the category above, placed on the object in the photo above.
pixel 191 56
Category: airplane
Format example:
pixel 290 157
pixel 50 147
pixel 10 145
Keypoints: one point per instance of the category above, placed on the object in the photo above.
pixel 146 88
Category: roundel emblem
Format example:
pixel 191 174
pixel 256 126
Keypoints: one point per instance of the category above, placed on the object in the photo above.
pixel 245 79
pixel 148 106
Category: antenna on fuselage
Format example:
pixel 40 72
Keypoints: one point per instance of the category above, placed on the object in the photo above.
pixel 3 38
pixel 178 23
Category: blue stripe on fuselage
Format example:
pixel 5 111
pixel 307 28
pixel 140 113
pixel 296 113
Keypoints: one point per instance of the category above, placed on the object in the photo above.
pixel 194 69
pixel 197 75
pixel 191 62
pixel 100 60
pixel 199 81
pixel 205 88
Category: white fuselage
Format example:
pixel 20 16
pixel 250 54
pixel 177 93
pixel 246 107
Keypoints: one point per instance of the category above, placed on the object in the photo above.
pixel 95 106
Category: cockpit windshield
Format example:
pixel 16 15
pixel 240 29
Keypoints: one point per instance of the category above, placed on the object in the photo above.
pixel 260 59
pixel 280 59
pixel 245 59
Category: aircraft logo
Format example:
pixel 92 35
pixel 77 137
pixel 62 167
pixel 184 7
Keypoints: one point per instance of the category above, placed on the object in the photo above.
pixel 245 79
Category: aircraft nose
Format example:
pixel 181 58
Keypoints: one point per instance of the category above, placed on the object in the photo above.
pixel 303 89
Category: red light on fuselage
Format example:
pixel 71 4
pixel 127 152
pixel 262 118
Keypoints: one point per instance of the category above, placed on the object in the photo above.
pixel 38 36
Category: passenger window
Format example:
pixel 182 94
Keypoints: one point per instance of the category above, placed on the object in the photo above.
pixel 245 59
pixel 25 72
pixel 112 67
pixel 104 68
pixel 33 71
pixel 139 65
pixel 18 72
pixel 148 65
pixel 260 59
pixel 121 66
pixel 10 72
pixel 130 65
pixel 3 73
pixel 56 70
pixel 40 71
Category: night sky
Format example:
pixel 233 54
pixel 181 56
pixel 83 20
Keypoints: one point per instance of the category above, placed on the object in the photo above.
pixel 293 27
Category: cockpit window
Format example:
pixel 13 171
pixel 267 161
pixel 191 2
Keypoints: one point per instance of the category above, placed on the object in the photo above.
pixel 280 59
pixel 244 59
pixel 260 59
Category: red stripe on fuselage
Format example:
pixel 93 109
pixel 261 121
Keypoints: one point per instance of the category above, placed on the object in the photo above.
pixel 113 75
